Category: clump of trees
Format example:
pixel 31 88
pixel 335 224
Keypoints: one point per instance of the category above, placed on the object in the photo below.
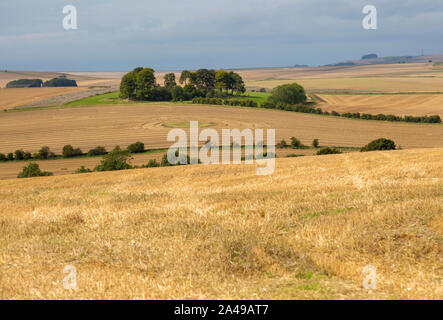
pixel 33 170
pixel 294 144
pixel 98 151
pixel 61 81
pixel 379 144
pixel 140 84
pixel 287 94
pixel 44 153
pixel 138 147
pixel 25 83
pixel 117 159
pixel 315 143
pixel 70 152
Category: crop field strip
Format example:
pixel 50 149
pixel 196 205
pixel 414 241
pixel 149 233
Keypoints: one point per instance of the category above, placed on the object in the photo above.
pixel 103 125
pixel 399 104
pixel 11 98
pixel 10 169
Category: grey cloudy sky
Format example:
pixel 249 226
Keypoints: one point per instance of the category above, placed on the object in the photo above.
pixel 172 34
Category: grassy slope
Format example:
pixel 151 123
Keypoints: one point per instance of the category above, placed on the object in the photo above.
pixel 224 232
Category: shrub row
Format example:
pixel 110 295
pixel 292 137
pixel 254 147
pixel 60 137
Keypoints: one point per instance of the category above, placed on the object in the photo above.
pixel 296 144
pixel 68 152
pixel 227 102
pixel 381 117
pixel 393 118
pixel 306 108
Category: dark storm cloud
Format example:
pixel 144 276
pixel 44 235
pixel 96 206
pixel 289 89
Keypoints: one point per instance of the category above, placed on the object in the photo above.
pixel 121 34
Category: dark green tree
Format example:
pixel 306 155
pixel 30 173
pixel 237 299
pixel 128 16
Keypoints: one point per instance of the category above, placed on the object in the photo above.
pixel 185 77
pixel 19 155
pixel 117 159
pixel 137 147
pixel 32 170
pixel 288 94
pixel 170 80
pixel 128 85
pixel 379 144
pixel 145 83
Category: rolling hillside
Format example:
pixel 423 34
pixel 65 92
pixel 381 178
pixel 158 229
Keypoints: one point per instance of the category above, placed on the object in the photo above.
pixel 206 232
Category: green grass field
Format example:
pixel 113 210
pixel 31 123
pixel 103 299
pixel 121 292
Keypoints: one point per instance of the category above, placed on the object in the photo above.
pixel 107 98
pixel 258 97
pixel 113 98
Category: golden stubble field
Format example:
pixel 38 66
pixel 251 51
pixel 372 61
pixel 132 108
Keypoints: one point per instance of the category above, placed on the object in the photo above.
pixel 11 98
pixel 363 84
pixel 110 125
pixel 222 232
pixel 403 104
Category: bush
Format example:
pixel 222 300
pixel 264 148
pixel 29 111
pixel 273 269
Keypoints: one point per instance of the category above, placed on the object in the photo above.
pixel 32 170
pixel 99 151
pixel 151 164
pixel 19 155
pixel 315 143
pixel 295 143
pixel 70 152
pixel 27 156
pixel 268 105
pixel 137 147
pixel 3 157
pixel 379 144
pixel 282 144
pixel 165 162
pixel 10 156
pixel 328 150
pixel 288 94
pixel 82 169
pixel 117 159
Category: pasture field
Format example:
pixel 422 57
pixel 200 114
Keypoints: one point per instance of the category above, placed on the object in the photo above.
pixel 398 104
pixel 222 232
pixel 88 127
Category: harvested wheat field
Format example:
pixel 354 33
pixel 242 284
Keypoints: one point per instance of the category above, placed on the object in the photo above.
pixel 400 104
pixel 14 97
pixel 374 84
pixel 331 72
pixel 88 127
pixel 222 232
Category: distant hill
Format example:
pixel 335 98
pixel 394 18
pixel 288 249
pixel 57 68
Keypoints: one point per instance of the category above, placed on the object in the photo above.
pixel 369 56
pixel 372 58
